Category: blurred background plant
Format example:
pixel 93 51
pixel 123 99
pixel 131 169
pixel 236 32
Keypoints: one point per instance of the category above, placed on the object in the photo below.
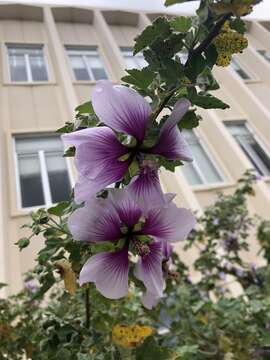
pixel 196 320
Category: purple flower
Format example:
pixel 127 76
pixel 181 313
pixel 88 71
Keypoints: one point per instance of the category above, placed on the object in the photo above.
pixel 102 159
pixel 31 286
pixel 130 228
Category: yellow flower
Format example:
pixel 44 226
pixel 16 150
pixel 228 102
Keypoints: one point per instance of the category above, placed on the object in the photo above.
pixel 224 59
pixel 130 336
pixel 228 42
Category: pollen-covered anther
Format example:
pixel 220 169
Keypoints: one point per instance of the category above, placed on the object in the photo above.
pixel 148 164
pixel 141 249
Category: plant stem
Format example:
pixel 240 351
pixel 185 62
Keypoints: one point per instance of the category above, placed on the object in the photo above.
pixel 207 41
pixel 87 308
pixel 201 48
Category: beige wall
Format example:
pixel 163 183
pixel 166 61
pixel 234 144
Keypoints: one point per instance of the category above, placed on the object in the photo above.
pixel 44 107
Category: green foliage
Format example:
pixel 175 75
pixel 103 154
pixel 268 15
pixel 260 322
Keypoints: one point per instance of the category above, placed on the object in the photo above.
pixel 140 78
pixel 189 121
pixel 56 319
pixel 195 321
pixel 159 29
pixel 181 24
pixel 206 101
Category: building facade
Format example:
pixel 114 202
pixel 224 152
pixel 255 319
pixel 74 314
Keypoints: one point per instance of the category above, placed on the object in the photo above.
pixel 50 59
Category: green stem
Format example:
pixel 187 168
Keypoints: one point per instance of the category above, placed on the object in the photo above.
pixel 87 308
pixel 201 48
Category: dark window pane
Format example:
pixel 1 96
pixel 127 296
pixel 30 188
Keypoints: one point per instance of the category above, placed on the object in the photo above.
pixel 17 68
pixel 81 74
pixel 79 67
pixel 38 68
pixel 99 74
pixel 253 150
pixel 30 181
pixel 58 177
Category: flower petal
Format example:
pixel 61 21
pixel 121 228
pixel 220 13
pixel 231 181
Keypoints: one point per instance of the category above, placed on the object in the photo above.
pixel 109 272
pixel 96 221
pixel 128 211
pixel 97 153
pixel 171 143
pixel 146 190
pixel 121 108
pixel 149 270
pixel 150 300
pixel 169 223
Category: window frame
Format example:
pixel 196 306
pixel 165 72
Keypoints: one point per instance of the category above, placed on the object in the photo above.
pixel 43 171
pixel 255 136
pixel 84 49
pixel 244 69
pixel 211 157
pixel 27 62
pixel 261 52
pixel 129 54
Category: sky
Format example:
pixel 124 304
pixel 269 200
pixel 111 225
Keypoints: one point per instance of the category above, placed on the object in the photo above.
pixel 261 12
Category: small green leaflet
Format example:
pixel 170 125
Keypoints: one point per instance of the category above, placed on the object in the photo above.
pixel 181 24
pixel 140 78
pixel 85 108
pixel 189 121
pixel 205 100
pixel 159 28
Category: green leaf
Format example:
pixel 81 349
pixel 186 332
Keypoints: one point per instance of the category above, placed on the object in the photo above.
pixel 195 67
pixel 211 55
pixel 159 29
pixel 189 121
pixel 59 209
pixel 23 243
pixel 151 350
pixel 181 24
pixel 85 108
pixel 185 351
pixel 206 101
pixel 172 2
pixel 169 165
pixel 140 78
pixel 70 152
pixel 69 127
pixel 238 25
pixel 172 71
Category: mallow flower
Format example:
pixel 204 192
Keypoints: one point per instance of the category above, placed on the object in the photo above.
pixel 102 159
pixel 135 233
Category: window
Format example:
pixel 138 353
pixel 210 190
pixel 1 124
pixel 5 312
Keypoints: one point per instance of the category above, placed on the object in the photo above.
pixel 265 54
pixel 202 170
pixel 239 70
pixel 86 63
pixel 42 171
pixel 27 63
pixel 251 146
pixel 132 61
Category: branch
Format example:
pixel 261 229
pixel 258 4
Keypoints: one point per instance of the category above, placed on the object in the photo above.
pixel 210 37
pixel 87 308
pixel 201 48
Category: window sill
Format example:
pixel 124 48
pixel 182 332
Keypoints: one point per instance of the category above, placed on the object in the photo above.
pixel 15 213
pixel 253 81
pixel 214 186
pixel 31 84
pixel 90 82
